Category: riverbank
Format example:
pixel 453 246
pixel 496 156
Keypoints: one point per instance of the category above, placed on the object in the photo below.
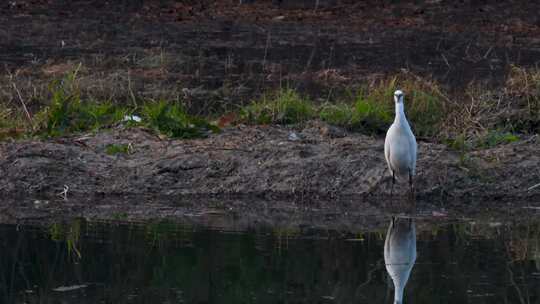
pixel 307 163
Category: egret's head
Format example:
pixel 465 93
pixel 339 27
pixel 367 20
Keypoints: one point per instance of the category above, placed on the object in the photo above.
pixel 398 96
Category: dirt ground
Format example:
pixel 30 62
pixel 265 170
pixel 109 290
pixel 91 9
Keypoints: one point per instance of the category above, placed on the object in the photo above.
pixel 318 167
pixel 217 55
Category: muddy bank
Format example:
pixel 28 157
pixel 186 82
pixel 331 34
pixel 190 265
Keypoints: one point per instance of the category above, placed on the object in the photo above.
pixel 311 161
pixel 244 213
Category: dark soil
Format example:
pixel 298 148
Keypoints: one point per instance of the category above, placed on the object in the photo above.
pixel 217 54
pixel 255 164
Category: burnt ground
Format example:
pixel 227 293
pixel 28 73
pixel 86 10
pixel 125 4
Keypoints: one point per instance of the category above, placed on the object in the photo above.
pixel 219 54
pixel 260 172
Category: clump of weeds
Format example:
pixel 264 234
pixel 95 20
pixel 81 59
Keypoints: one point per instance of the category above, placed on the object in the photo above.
pixel 286 106
pixel 340 114
pixel 173 121
pixel 424 103
pixel 114 149
pixel 68 113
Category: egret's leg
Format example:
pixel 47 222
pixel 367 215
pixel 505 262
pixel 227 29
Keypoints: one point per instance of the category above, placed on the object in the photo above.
pixel 411 188
pixel 393 182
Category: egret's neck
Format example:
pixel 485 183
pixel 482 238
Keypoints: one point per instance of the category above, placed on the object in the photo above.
pixel 400 113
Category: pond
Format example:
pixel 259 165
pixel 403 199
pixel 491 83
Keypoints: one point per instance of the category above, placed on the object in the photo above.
pixel 80 261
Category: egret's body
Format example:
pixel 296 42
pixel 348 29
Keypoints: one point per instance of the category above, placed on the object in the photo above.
pixel 400 144
pixel 400 253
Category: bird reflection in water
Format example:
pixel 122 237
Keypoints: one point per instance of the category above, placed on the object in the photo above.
pixel 400 253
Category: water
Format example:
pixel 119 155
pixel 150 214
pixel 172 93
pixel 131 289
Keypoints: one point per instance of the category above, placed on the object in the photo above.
pixel 167 262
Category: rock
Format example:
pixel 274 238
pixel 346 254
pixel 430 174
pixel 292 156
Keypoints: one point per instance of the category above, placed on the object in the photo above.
pixel 293 136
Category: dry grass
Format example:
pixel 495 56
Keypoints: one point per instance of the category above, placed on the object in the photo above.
pixel 515 108
pixel 478 118
pixel 425 101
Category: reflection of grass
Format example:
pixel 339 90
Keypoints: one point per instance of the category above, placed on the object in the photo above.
pixel 70 234
pixel 243 264
pixel 158 232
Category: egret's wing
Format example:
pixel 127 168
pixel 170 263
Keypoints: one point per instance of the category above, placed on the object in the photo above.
pixel 413 147
pixel 387 145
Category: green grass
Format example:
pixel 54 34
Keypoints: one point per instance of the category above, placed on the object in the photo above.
pixel 373 107
pixel 341 114
pixel 423 104
pixel 365 116
pixel 12 123
pixel 172 120
pixel 67 113
pixel 284 107
pixel 68 233
pixel 114 149
pixel 494 138
pixel 458 143
pixel 66 116
pixel 460 122
pixel 371 112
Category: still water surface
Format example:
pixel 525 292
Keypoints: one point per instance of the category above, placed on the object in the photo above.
pixel 167 262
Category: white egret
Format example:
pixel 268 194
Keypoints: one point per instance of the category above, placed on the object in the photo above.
pixel 400 145
pixel 400 253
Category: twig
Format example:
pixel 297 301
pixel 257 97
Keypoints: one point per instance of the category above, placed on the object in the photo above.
pixel 532 138
pixel 268 37
pixel 488 51
pixel 445 60
pixel 64 192
pixel 133 99
pixel 23 105
pixel 533 187
pixel 313 51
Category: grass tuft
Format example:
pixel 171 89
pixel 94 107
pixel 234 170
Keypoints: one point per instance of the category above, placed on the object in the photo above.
pixel 284 107
pixel 478 117
pixel 12 123
pixel 424 104
pixel 494 138
pixel 114 149
pixel 172 120
pixel 523 89
pixel 340 114
pixel 67 113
